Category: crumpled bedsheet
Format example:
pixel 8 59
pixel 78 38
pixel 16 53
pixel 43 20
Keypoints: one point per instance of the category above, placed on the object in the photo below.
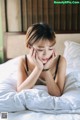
pixel 38 99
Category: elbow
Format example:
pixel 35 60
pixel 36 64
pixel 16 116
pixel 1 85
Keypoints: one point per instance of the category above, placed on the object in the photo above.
pixel 57 94
pixel 18 89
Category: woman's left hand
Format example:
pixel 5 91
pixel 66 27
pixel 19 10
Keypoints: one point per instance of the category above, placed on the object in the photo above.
pixel 49 62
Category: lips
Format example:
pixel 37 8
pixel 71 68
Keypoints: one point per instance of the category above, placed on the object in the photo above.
pixel 45 59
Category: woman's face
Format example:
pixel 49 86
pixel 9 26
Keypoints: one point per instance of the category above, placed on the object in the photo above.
pixel 45 49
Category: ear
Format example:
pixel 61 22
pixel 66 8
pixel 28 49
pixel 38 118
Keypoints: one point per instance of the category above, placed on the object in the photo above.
pixel 29 46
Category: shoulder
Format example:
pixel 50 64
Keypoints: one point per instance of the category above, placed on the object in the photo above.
pixel 21 62
pixel 62 61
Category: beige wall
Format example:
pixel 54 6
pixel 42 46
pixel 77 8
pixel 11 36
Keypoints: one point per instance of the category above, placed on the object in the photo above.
pixel 1 36
pixel 16 43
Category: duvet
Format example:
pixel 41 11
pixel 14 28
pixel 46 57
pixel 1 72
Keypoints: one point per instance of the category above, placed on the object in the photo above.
pixel 37 99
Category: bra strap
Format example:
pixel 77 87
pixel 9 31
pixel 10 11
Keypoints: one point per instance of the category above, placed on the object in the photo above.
pixel 26 62
pixel 57 66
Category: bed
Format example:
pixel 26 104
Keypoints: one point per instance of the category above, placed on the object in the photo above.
pixel 66 107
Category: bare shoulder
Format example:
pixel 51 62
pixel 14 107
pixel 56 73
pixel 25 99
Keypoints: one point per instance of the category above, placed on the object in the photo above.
pixel 21 62
pixel 62 61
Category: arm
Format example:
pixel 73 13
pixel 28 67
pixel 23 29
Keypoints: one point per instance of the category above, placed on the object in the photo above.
pixel 55 88
pixel 25 81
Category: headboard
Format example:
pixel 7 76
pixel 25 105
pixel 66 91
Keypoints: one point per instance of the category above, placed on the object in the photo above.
pixel 14 43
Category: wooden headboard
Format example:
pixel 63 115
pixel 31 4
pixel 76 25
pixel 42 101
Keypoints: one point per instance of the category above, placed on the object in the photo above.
pixel 14 43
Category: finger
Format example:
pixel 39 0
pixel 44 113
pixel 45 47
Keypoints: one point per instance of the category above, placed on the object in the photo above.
pixel 55 54
pixel 32 50
pixel 33 55
pixel 52 57
pixel 37 57
pixel 36 54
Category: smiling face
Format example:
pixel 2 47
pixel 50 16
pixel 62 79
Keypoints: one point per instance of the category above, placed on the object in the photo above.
pixel 45 49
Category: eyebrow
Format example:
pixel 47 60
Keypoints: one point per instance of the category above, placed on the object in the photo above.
pixel 43 46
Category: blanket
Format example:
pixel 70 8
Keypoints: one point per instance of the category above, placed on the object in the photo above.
pixel 38 99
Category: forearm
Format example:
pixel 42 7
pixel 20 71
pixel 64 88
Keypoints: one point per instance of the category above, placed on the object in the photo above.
pixel 31 80
pixel 53 89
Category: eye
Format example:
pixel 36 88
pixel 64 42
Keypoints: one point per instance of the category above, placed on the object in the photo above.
pixel 40 50
pixel 50 49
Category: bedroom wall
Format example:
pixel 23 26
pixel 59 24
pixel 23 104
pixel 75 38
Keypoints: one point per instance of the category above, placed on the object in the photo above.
pixel 18 41
pixel 1 37
pixel 20 14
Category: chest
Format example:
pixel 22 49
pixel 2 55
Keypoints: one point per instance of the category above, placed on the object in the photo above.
pixel 41 79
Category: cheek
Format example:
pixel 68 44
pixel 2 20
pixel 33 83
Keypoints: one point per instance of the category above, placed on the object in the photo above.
pixel 50 53
pixel 40 54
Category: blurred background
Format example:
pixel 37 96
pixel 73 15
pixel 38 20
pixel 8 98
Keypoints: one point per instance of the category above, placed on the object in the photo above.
pixel 18 15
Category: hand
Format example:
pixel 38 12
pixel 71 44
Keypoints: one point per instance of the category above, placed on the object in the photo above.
pixel 49 63
pixel 36 59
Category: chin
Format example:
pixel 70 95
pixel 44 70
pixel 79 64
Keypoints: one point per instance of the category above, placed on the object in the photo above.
pixel 44 62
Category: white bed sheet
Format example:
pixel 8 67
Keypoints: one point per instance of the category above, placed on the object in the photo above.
pixel 30 115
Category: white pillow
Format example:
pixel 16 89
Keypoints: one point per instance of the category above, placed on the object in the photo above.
pixel 72 55
pixel 8 74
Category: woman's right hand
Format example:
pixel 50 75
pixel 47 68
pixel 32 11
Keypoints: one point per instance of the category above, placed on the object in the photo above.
pixel 36 59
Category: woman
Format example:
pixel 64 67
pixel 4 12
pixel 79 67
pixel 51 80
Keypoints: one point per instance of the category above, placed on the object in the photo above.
pixel 42 65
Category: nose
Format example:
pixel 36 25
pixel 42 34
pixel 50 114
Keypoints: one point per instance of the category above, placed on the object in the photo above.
pixel 44 53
